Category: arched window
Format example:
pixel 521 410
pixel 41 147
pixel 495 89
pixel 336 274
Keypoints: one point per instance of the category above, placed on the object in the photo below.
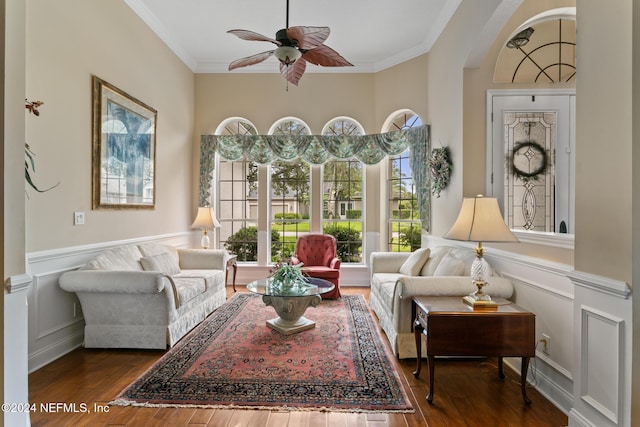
pixel 290 194
pixel 237 197
pixel 403 216
pixel 541 50
pixel 343 195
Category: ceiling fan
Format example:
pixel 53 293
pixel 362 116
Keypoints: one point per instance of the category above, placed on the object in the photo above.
pixel 296 47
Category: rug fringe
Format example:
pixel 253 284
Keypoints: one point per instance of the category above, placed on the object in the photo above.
pixel 126 402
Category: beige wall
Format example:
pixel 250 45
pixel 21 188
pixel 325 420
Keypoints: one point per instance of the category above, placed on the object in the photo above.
pixel 68 42
pixel 446 104
pixel 604 140
pixel 476 83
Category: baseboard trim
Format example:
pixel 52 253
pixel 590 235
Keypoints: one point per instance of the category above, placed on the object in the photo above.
pixel 48 354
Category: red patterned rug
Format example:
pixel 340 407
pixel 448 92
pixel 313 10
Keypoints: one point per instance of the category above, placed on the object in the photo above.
pixel 233 360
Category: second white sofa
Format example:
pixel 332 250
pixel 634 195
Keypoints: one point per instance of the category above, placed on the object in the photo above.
pixel 396 277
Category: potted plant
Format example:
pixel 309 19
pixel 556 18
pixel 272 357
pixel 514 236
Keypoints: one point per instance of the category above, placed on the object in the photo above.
pixel 287 275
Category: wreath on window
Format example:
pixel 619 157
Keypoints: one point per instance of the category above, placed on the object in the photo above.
pixel 440 167
pixel 536 160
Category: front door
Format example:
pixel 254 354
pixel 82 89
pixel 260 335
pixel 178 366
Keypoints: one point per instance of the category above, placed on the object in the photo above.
pixel 531 158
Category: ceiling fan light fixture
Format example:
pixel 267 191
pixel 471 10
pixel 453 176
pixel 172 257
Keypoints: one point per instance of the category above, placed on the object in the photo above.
pixel 287 54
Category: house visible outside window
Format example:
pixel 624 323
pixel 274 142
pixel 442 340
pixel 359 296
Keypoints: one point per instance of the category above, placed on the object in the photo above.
pixel 290 195
pixel 237 207
pixel 342 193
pixel 403 217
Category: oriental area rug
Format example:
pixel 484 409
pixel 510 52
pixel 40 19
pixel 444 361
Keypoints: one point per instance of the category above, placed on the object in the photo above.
pixel 234 360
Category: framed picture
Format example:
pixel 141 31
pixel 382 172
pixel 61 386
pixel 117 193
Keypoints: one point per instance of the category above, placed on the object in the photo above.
pixel 124 150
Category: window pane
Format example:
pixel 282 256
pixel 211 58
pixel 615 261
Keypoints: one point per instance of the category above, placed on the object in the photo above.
pixel 238 189
pixel 237 197
pixel 289 196
pixel 289 206
pixel 342 207
pixel 404 229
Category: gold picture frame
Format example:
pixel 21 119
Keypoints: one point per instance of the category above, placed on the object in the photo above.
pixel 124 149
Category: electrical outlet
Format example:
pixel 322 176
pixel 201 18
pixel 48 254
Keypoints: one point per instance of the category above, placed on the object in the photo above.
pixel 78 218
pixel 546 343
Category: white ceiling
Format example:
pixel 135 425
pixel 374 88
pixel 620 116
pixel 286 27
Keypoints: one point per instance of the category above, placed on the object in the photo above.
pixel 371 34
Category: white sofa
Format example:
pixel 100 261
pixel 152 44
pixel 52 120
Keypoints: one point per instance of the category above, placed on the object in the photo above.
pixel 148 295
pixel 396 277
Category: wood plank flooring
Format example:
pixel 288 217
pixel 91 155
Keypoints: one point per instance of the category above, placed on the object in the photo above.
pixel 468 393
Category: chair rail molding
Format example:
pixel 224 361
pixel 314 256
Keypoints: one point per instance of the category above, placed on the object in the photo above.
pixel 18 283
pixel 596 283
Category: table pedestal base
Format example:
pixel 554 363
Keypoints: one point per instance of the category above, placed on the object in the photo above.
pixel 288 328
pixel 291 310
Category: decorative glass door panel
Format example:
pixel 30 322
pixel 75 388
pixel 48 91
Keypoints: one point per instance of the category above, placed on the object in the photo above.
pixel 530 141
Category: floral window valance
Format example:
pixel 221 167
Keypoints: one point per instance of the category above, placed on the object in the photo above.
pixel 318 149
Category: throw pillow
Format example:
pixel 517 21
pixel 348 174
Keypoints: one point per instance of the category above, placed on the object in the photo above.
pixel 414 263
pixel 449 266
pixel 436 255
pixel 164 263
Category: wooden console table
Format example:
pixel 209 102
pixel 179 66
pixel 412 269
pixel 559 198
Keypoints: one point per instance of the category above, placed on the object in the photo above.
pixel 452 328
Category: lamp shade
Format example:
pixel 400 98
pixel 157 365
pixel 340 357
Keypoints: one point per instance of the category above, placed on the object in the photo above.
pixel 206 218
pixel 480 220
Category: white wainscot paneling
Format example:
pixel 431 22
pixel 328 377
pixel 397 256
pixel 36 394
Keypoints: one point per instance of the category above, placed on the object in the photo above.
pixel 56 325
pixel 600 371
pixel 603 339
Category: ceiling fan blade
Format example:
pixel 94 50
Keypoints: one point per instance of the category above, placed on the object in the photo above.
pixel 308 37
pixel 253 36
pixel 250 60
pixel 293 72
pixel 325 56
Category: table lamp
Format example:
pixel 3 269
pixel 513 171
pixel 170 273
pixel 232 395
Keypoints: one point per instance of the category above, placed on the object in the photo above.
pixel 205 219
pixel 480 221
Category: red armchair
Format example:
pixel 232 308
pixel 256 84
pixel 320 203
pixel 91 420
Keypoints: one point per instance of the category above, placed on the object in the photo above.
pixel 318 254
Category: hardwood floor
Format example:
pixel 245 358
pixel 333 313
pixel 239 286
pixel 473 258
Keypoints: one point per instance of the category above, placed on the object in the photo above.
pixel 467 393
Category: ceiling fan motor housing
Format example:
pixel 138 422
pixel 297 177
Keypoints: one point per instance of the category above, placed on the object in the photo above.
pixel 283 38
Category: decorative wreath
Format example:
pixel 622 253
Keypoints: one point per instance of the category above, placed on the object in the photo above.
pixel 440 166
pixel 539 154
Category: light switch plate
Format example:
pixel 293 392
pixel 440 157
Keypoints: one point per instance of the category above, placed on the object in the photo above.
pixel 78 218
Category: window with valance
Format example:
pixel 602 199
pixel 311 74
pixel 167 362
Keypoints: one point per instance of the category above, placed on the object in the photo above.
pixel 318 149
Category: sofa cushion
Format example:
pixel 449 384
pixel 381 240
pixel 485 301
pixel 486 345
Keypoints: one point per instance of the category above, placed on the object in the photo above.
pixel 188 288
pixel 321 272
pixel 435 256
pixel 164 263
pixel 124 259
pixel 449 266
pixel 213 279
pixel 413 264
pixel 467 256
pixel 151 249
